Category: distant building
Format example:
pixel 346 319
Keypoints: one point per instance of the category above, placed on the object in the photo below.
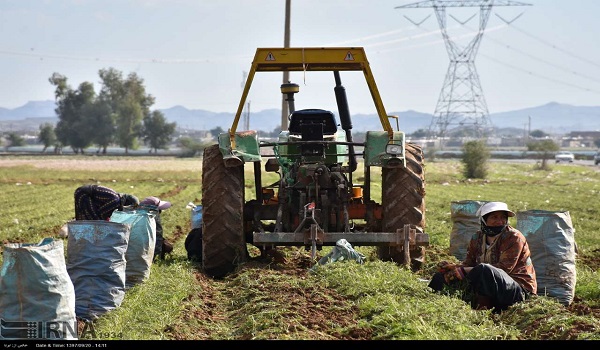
pixel 580 139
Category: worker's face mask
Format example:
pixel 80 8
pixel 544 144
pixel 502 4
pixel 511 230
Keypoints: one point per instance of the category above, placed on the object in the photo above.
pixel 491 231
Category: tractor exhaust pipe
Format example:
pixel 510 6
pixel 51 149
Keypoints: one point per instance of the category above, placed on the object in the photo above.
pixel 345 120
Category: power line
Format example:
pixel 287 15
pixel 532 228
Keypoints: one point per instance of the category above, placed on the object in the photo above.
pixel 123 60
pixel 567 52
pixel 540 59
pixel 491 29
pixel 554 80
pixel 461 100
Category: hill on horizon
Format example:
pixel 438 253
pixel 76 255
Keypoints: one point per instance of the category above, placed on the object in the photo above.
pixel 552 118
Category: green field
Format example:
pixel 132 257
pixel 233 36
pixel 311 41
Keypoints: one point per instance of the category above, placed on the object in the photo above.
pixel 389 302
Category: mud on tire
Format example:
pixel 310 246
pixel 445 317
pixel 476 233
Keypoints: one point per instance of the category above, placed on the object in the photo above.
pixel 223 242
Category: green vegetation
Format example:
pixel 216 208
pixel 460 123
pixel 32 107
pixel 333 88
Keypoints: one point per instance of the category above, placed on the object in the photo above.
pixel 344 300
pixel 14 140
pixel 47 135
pixel 474 159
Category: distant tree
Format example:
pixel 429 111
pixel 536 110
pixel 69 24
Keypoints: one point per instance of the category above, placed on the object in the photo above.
pixel 359 136
pixel 216 131
pixel 463 132
pixel 545 149
pixel 156 132
pixel 110 96
pixel 14 140
pixel 47 136
pixel 275 132
pixel 420 133
pixel 475 158
pixel 538 134
pixel 58 147
pixel 73 128
pixel 129 103
pixel 64 110
pixel 84 131
pixel 190 146
pixel 597 143
pixel 101 119
pixel 129 125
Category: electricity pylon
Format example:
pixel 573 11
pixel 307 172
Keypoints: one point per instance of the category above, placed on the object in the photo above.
pixel 461 101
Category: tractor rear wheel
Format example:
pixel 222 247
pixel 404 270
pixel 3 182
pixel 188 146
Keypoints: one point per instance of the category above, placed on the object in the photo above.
pixel 223 241
pixel 403 202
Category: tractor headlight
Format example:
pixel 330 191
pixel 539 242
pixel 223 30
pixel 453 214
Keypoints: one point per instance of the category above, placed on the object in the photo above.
pixel 393 149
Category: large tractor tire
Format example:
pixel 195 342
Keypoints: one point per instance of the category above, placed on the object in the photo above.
pixel 223 241
pixel 403 202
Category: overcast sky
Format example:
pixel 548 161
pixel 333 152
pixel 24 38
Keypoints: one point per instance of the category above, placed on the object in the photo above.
pixel 195 53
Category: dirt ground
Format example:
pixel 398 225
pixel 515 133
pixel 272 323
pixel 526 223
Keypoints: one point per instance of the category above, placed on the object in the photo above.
pixel 318 308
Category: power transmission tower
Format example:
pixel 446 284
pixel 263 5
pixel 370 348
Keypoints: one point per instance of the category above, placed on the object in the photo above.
pixel 461 101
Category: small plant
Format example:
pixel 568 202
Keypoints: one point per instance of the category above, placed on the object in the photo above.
pixel 475 158
pixel 190 147
pixel 430 154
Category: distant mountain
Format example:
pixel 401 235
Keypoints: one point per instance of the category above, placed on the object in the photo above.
pixel 32 109
pixel 552 118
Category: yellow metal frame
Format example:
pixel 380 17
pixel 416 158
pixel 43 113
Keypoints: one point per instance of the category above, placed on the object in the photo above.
pixel 312 59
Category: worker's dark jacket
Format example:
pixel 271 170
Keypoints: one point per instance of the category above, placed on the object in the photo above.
pixel 95 202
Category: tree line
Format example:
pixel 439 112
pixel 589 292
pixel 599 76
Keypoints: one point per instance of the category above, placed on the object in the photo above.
pixel 119 114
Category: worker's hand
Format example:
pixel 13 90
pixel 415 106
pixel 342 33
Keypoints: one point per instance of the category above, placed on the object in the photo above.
pixel 457 273
pixel 445 266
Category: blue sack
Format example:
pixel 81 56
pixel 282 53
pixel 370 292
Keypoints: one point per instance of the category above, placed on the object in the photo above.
pixel 37 297
pixel 551 239
pixel 142 240
pixel 96 263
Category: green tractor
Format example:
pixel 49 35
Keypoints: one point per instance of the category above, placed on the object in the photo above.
pixel 316 200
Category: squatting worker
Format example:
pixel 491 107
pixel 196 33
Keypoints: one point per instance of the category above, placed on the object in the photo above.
pixel 95 202
pixel 498 267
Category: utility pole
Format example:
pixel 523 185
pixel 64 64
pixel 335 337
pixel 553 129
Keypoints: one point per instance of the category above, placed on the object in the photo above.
pixel 247 118
pixel 286 74
pixel 247 114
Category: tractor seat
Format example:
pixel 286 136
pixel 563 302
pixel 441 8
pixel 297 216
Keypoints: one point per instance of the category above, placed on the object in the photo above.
pixel 312 118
